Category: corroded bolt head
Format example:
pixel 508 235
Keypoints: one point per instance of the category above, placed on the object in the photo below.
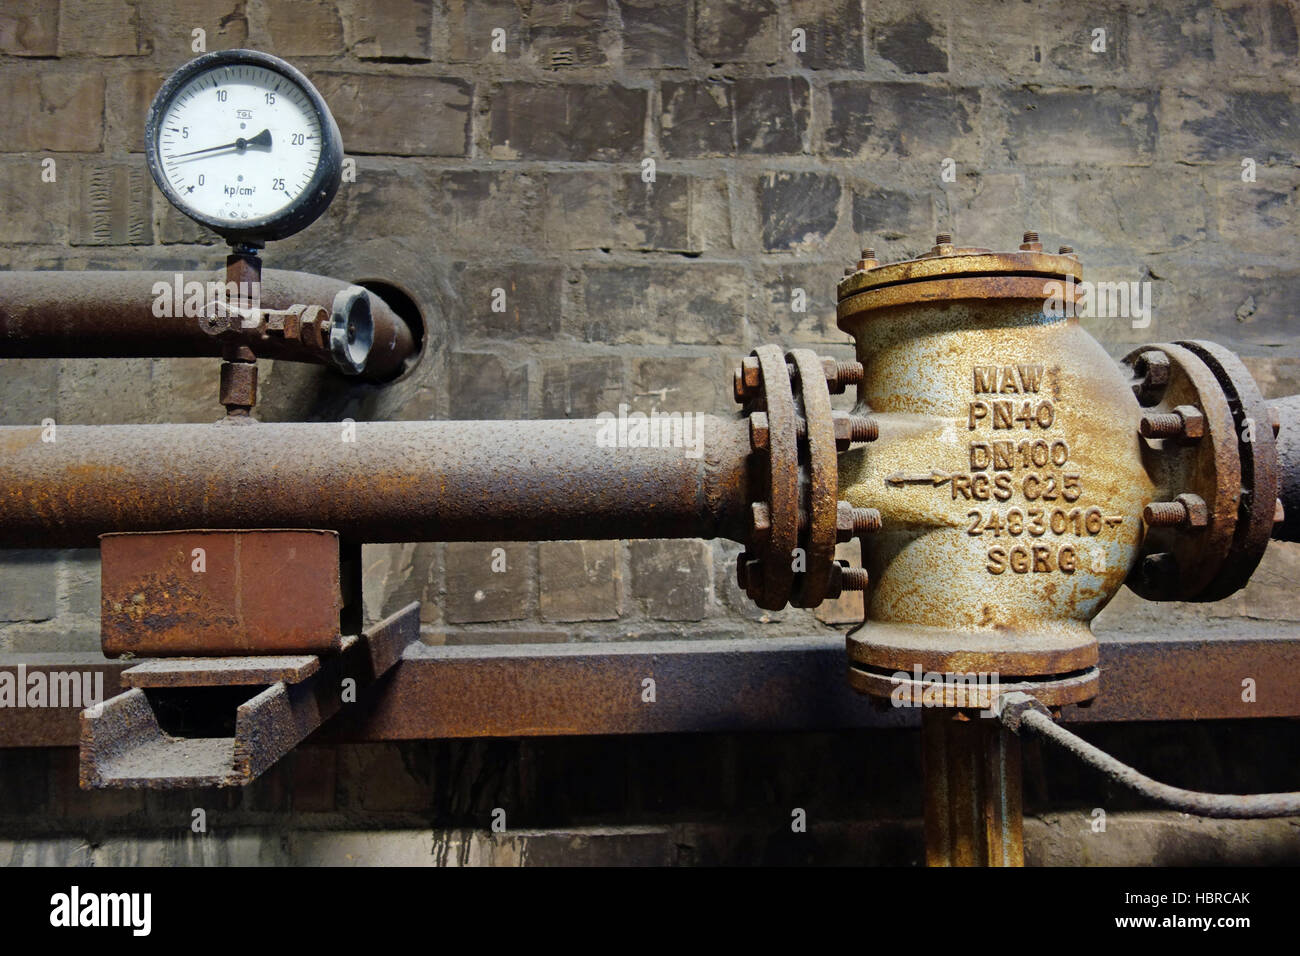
pixel 738 389
pixel 1193 420
pixel 843 430
pixel 1153 366
pixel 760 521
pixel 1031 243
pixel 759 436
pixel 843 521
pixel 853 428
pixel 742 571
pixel 851 521
pixel 1198 513
pixel 840 375
pixel 752 372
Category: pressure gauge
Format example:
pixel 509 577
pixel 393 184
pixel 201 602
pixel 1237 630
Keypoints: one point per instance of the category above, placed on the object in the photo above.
pixel 242 143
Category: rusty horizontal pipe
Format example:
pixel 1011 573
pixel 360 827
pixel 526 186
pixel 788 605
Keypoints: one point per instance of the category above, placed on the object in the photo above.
pixel 371 481
pixel 57 314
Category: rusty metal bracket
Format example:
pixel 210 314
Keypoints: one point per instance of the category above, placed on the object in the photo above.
pixel 206 592
pixel 124 743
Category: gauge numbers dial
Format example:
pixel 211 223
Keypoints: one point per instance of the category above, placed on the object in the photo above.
pixel 243 146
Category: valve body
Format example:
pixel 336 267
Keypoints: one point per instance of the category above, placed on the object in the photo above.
pixel 1008 471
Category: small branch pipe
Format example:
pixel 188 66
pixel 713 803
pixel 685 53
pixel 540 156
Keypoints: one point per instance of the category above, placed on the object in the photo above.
pixel 58 314
pixel 385 481
pixel 1019 711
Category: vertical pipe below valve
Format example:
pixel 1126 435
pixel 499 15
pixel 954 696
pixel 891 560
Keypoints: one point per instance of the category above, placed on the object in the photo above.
pixel 973 810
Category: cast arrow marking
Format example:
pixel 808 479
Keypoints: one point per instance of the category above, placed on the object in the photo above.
pixel 898 479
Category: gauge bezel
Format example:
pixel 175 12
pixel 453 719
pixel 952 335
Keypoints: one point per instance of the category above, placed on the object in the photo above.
pixel 302 211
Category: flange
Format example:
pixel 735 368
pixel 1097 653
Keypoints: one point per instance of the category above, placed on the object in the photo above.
pixel 797 519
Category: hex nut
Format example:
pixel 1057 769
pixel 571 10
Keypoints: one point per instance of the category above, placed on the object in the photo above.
pixel 759 435
pixel 1198 513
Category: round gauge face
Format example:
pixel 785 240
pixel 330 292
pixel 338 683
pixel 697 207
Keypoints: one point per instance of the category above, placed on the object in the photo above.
pixel 241 142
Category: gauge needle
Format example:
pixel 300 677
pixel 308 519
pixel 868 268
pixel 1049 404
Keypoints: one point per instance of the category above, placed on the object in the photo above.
pixel 261 139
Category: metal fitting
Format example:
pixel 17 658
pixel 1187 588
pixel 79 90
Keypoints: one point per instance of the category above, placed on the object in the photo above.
pixel 853 428
pixel 759 436
pixel 1153 367
pixel 352 330
pixel 1031 243
pixel 238 386
pixel 840 375
pixel 851 579
pixel 851 522
pixel 1185 421
pixel 1187 510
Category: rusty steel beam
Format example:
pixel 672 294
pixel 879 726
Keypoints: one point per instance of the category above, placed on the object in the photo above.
pixel 761 684
pixel 124 745
pixel 371 481
pixel 56 314
pixel 770 684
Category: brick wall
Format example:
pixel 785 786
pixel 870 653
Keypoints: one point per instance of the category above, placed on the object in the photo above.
pixel 784 136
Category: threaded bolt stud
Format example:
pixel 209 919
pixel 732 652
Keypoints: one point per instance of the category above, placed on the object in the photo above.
pixel 866 520
pixel 1165 514
pixel 863 429
pixel 853 579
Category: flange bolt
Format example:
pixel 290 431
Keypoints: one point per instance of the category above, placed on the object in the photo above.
pixel 1185 421
pixel 852 579
pixel 840 375
pixel 1186 510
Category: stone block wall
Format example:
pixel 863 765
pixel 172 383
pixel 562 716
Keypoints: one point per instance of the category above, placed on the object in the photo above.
pixel 507 146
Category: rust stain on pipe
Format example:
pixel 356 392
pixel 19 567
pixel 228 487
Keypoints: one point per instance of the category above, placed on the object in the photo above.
pixel 396 481
pixel 56 314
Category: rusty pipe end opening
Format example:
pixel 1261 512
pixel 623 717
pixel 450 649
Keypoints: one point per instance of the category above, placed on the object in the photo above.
pixel 380 367
pixel 352 330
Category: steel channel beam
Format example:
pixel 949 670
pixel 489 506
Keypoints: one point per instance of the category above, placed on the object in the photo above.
pixel 56 314
pixel 371 481
pixel 763 684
